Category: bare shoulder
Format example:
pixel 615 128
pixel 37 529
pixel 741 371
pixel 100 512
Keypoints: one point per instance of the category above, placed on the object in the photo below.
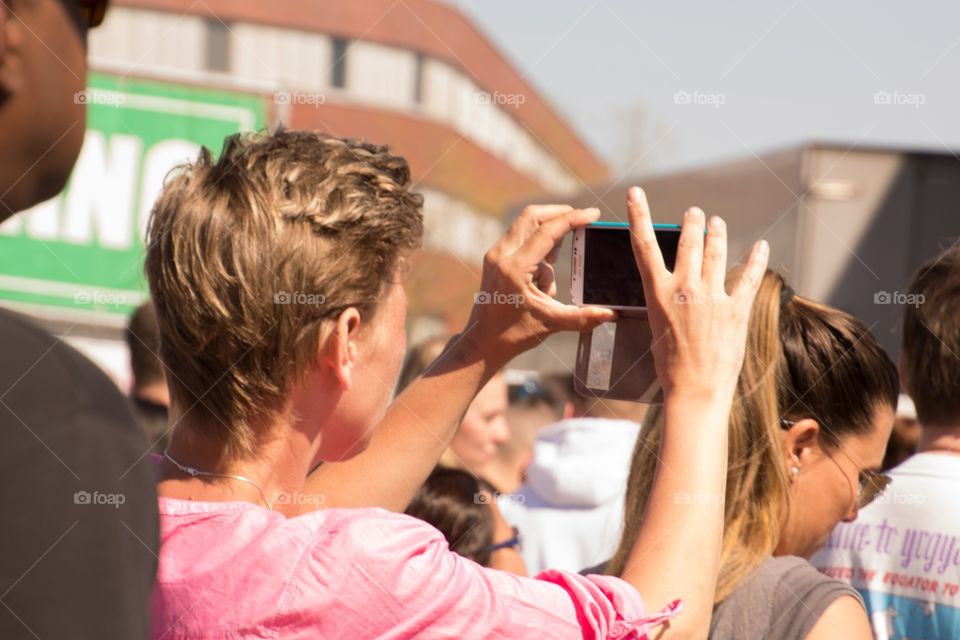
pixel 844 618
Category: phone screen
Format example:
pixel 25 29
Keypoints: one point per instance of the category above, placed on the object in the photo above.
pixel 610 274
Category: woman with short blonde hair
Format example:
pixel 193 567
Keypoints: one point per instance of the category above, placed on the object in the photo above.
pixel 277 275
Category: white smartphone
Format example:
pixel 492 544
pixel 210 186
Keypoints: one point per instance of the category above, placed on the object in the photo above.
pixel 603 270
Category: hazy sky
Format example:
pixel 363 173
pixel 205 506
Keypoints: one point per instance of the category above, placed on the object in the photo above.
pixel 765 74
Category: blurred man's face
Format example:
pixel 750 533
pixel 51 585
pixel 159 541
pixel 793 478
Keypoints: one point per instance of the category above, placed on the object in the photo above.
pixel 42 121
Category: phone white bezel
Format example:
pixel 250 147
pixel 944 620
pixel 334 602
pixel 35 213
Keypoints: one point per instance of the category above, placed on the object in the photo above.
pixel 577 261
pixel 576 266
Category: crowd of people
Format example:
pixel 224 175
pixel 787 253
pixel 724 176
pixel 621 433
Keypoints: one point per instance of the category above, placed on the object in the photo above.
pixel 294 471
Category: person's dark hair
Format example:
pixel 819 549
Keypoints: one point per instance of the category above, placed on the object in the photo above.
pixel 561 386
pixel 457 504
pixel 143 341
pixel 904 439
pixel 832 369
pixel 931 340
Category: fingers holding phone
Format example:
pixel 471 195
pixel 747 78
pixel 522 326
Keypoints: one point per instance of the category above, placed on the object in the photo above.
pixel 515 308
pixel 699 330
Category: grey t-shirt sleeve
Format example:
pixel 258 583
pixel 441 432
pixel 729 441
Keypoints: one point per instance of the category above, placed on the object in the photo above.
pixel 783 599
pixel 802 596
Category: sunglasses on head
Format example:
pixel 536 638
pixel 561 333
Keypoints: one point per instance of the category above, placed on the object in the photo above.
pixel 870 483
pixel 506 544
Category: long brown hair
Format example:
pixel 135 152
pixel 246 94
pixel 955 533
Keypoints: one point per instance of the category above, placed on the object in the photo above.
pixel 803 360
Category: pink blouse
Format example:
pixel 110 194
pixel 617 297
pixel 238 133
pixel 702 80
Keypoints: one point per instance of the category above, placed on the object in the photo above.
pixel 238 570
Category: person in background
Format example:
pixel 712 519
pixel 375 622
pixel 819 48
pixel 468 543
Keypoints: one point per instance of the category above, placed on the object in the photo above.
pixel 483 427
pixel 78 501
pixel 149 392
pixel 419 357
pixel 905 437
pixel 903 552
pixel 462 507
pixel 570 507
pixel 809 425
pixel 534 404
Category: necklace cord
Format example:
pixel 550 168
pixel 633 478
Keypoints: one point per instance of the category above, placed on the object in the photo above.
pixel 194 472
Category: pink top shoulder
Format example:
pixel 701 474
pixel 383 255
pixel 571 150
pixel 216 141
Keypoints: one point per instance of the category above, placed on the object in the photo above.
pixel 237 570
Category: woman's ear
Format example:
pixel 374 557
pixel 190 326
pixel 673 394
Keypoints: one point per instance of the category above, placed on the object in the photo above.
pixel 339 349
pixel 802 442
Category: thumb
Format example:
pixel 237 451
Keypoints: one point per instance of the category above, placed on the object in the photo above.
pixel 572 318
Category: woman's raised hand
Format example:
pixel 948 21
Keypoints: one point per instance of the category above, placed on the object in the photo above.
pixel 516 307
pixel 699 330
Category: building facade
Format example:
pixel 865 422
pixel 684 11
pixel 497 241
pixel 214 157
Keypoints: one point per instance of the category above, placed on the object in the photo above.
pixel 417 75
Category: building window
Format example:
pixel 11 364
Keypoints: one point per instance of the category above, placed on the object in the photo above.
pixel 338 77
pixel 418 79
pixel 218 46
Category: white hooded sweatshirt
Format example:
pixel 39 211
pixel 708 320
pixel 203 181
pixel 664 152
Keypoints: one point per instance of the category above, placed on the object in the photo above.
pixel 570 509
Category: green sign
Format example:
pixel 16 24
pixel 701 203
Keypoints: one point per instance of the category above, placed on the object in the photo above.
pixel 83 250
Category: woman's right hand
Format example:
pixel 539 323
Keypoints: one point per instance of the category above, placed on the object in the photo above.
pixel 517 306
pixel 699 330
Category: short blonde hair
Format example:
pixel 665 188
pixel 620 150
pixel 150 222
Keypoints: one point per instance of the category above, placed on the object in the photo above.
pixel 250 254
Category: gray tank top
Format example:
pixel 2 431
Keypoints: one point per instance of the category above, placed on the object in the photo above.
pixel 782 599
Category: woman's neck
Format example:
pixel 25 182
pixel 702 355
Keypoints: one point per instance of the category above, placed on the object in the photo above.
pixel 274 477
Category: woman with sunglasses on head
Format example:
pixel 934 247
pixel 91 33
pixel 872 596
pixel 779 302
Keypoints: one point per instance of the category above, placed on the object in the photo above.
pixel 809 425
